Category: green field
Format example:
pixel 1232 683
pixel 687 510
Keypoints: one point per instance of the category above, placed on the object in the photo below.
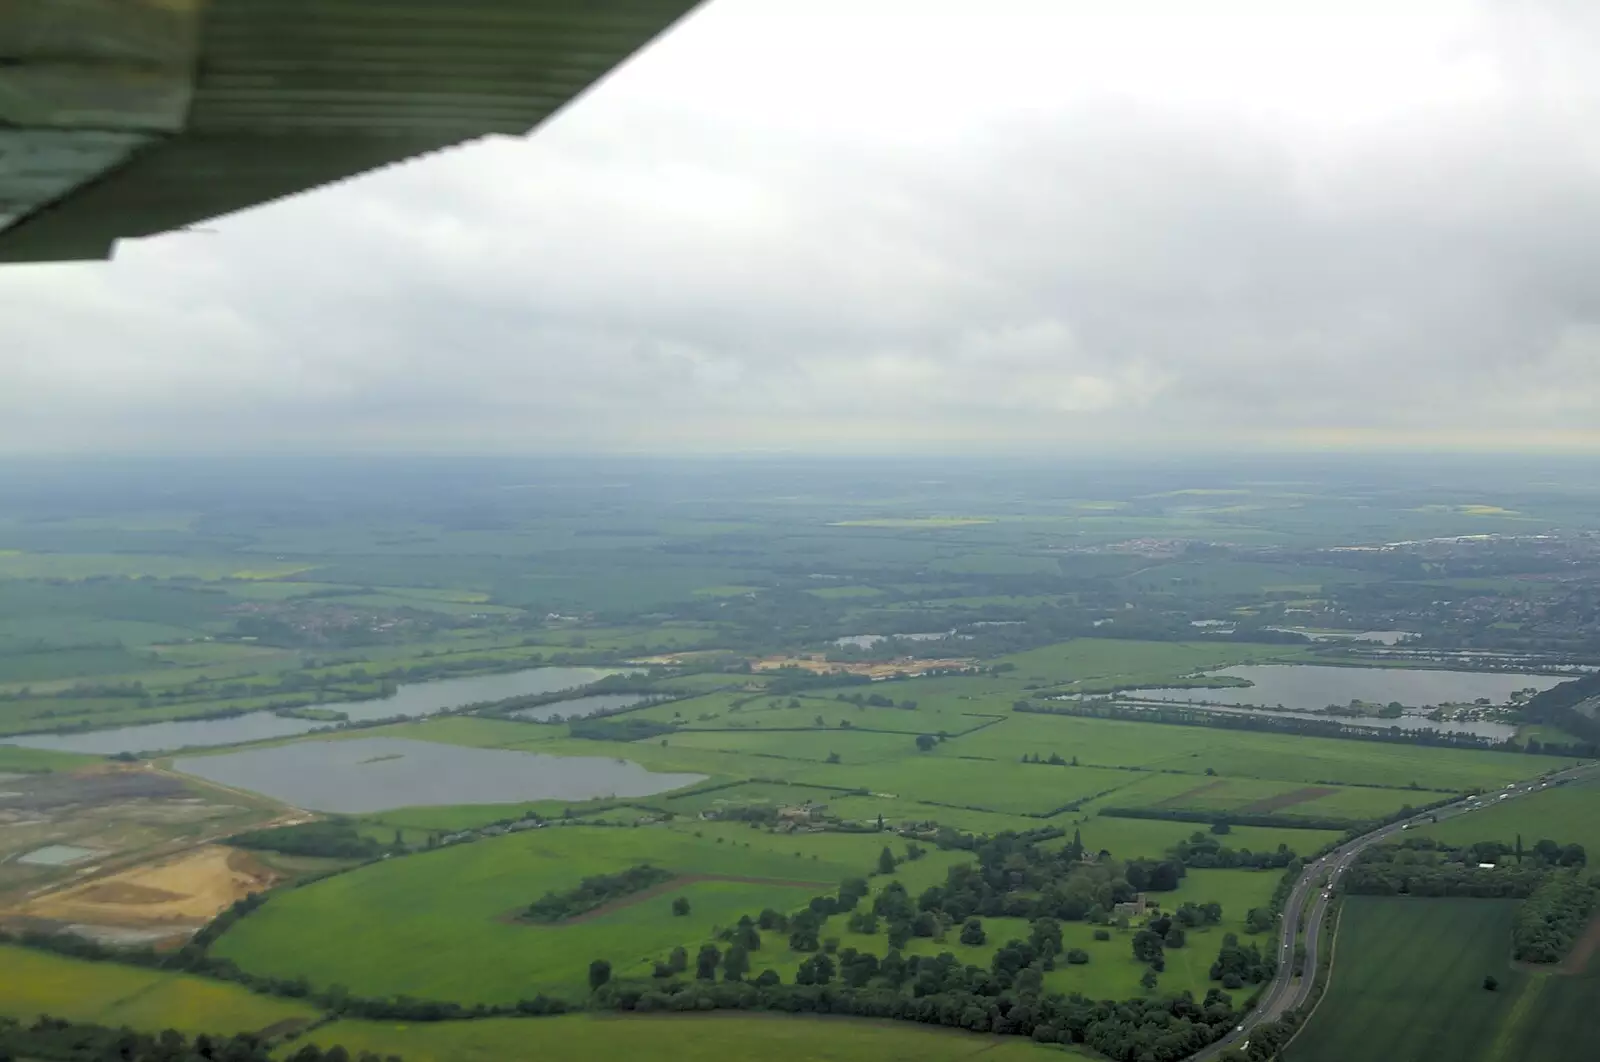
pixel 1568 813
pixel 34 983
pixel 431 925
pixel 27 761
pixel 1407 984
pixel 679 1038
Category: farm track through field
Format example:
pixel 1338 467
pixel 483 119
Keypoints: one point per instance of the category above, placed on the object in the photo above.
pixel 514 916
pixel 1577 960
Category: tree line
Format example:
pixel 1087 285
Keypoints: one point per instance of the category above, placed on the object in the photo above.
pixel 595 891
pixel 1553 916
pixel 50 1039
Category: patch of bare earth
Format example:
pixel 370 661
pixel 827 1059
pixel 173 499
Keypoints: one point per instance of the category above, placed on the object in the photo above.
pixel 1183 798
pixel 1577 960
pixel 818 664
pixel 1289 799
pixel 184 890
pixel 514 916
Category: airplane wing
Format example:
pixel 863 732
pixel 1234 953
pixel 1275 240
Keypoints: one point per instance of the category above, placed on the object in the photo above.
pixel 126 118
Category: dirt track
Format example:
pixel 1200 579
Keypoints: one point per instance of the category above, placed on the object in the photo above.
pixel 1577 960
pixel 514 917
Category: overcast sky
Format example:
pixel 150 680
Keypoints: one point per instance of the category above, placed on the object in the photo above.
pixel 907 224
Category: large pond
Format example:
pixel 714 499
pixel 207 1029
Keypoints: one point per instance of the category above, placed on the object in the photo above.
pixel 377 774
pixel 411 699
pixel 1311 688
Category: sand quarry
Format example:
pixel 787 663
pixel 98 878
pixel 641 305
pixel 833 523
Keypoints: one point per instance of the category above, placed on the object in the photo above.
pixel 183 891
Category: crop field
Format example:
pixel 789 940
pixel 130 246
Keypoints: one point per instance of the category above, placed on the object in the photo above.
pixel 34 983
pixel 1408 975
pixel 381 930
pixel 678 1038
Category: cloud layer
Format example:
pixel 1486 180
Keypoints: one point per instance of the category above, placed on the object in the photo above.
pixel 906 224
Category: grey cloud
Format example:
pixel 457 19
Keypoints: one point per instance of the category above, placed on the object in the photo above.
pixel 672 264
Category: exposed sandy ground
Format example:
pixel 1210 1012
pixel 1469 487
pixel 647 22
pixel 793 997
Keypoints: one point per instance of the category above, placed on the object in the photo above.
pixel 819 664
pixel 186 889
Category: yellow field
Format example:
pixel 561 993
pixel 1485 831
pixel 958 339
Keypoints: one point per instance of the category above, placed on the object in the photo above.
pixel 34 983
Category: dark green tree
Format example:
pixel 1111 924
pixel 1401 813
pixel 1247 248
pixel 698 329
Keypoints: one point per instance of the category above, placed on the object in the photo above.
pixel 599 973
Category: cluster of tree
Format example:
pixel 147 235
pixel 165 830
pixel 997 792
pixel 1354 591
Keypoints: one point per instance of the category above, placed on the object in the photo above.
pixel 1205 851
pixel 1161 1029
pixel 594 891
pixel 1558 706
pixel 1312 726
pixel 600 728
pixel 1544 853
pixel 1016 877
pixel 1553 916
pixel 1239 964
pixel 1442 878
pixel 50 1039
pixel 335 838
pixel 1054 759
pixel 1424 866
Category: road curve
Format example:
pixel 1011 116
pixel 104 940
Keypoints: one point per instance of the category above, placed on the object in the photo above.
pixel 1285 992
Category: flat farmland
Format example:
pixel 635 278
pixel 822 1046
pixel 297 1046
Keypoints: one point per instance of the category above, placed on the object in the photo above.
pixel 1408 985
pixel 1149 838
pixel 435 925
pixel 1102 664
pixel 34 983
pixel 1226 796
pixel 678 1038
pixel 852 746
pixel 1568 813
pixel 1006 788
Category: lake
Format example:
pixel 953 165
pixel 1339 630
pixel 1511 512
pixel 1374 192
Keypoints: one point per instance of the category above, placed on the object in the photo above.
pixel 1370 637
pixel 1311 688
pixel 411 699
pixel 378 774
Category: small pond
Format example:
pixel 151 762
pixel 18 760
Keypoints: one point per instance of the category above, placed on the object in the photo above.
pixel 377 774
pixel 57 855
pixel 411 699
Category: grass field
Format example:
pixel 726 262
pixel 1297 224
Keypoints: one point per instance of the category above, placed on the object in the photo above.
pixel 34 983
pixel 430 925
pixel 1568 813
pixel 1408 985
pixel 679 1038
pixel 28 761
